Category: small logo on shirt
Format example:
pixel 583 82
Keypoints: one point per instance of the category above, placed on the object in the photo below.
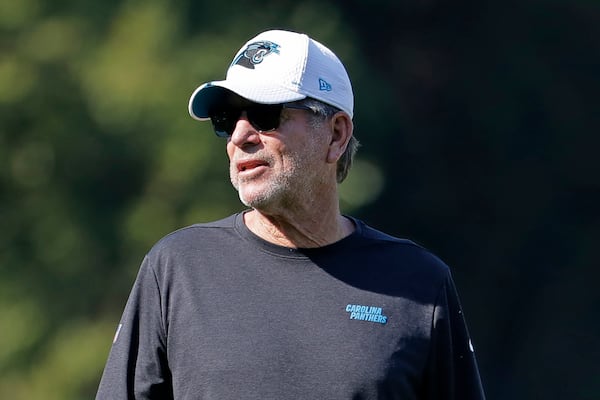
pixel 366 313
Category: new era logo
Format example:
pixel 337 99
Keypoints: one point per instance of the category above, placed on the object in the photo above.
pixel 324 85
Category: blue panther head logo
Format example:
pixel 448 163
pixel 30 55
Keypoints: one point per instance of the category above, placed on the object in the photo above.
pixel 255 53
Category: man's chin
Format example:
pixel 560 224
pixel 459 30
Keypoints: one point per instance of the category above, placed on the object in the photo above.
pixel 263 196
pixel 253 200
pixel 259 201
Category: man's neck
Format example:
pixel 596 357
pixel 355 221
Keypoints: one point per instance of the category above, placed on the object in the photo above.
pixel 300 230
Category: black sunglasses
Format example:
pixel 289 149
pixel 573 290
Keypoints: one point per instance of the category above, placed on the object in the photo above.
pixel 263 117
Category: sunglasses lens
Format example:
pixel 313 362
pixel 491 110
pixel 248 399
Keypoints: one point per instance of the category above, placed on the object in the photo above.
pixel 224 122
pixel 263 117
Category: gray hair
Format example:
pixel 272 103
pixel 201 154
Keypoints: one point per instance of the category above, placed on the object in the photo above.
pixel 322 112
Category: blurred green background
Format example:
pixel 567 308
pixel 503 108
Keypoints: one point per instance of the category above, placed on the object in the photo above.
pixel 480 129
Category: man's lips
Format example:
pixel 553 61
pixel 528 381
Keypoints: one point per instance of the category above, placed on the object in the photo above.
pixel 247 165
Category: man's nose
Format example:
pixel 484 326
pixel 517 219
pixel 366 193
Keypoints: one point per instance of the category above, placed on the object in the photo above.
pixel 244 133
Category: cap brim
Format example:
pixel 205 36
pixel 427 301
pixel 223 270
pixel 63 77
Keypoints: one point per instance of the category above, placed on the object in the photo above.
pixel 212 94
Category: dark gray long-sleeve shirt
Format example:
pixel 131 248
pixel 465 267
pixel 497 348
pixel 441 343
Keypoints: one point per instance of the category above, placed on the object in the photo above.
pixel 218 313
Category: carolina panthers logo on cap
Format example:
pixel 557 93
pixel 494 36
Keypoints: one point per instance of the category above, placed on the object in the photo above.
pixel 255 53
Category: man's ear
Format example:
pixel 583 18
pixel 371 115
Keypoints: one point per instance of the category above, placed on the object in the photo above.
pixel 341 131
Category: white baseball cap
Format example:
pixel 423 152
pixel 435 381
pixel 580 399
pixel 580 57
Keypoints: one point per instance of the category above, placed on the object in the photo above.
pixel 276 67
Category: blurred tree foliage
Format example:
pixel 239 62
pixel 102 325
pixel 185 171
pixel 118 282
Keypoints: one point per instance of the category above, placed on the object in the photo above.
pixel 479 123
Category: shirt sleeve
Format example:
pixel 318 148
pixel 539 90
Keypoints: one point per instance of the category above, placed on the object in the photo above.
pixel 452 372
pixel 137 365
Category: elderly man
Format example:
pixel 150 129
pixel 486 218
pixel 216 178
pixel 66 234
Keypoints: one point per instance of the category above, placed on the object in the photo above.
pixel 289 299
